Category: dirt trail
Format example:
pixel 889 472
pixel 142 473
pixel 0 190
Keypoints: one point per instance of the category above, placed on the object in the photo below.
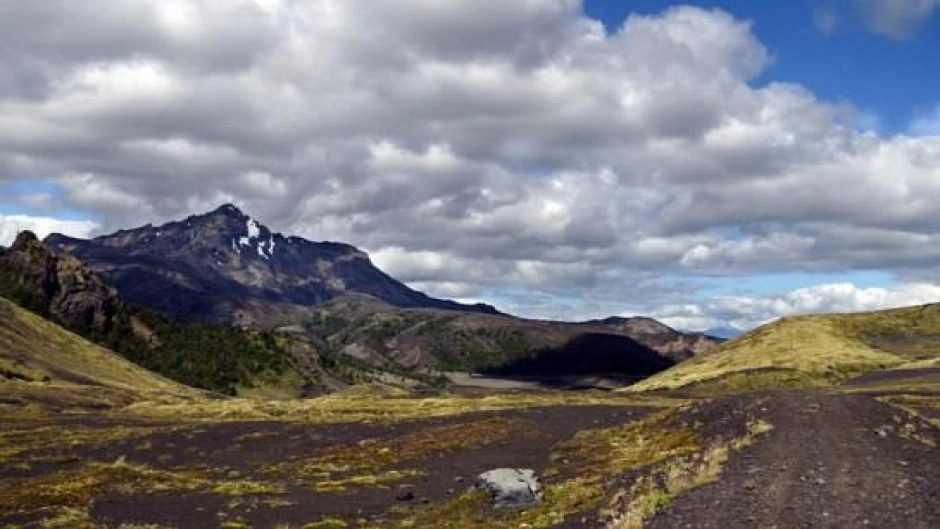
pixel 832 460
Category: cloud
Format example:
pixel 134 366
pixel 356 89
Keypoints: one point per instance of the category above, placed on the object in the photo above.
pixel 11 225
pixel 896 18
pixel 927 123
pixel 826 19
pixel 473 147
pixel 744 312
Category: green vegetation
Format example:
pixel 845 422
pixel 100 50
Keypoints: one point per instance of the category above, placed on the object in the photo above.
pixel 811 351
pixel 69 494
pixel 379 405
pixel 926 407
pixel 440 340
pixel 477 348
pixel 576 479
pixel 372 462
pixel 217 358
pixel 664 456
pixel 76 489
pixel 33 349
pixel 911 332
pixel 65 291
pixel 654 490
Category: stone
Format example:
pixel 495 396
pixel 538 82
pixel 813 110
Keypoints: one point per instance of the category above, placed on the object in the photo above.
pixel 405 496
pixel 511 487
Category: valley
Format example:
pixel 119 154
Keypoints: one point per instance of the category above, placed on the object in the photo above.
pixel 359 411
pixel 371 457
pixel 469 264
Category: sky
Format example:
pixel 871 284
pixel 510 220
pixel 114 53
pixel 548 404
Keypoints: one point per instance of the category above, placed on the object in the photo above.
pixel 709 163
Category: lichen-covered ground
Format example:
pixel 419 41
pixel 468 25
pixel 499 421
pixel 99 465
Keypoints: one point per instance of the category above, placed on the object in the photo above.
pixel 349 460
pixel 74 458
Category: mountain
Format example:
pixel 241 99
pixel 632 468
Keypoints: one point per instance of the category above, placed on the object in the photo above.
pixel 378 334
pixel 677 345
pixel 226 267
pixel 69 293
pixel 813 350
pixel 346 320
pixel 349 339
pixel 725 333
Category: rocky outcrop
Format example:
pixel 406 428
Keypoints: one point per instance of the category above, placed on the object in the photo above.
pixel 511 487
pixel 62 288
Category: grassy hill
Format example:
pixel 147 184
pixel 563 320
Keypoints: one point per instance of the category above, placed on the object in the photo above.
pixel 41 361
pixel 813 350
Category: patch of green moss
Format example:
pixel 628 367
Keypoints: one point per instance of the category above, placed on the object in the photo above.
pixel 370 462
pixel 381 479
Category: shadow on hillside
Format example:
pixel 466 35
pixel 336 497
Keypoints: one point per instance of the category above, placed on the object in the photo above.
pixel 610 356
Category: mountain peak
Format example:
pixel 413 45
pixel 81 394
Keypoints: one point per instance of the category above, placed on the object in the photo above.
pixel 229 210
pixel 221 265
pixel 24 239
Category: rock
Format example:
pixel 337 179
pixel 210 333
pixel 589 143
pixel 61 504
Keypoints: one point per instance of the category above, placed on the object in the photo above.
pixel 405 496
pixel 511 487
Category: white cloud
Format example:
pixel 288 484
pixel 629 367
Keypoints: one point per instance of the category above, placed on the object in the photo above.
pixel 471 146
pixel 11 225
pixel 744 312
pixel 896 18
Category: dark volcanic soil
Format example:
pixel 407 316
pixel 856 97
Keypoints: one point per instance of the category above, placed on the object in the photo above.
pixel 245 449
pixel 926 374
pixel 832 460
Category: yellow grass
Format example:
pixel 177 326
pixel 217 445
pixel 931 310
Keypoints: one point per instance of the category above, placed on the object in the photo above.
pixel 816 350
pixel 39 350
pixel 368 404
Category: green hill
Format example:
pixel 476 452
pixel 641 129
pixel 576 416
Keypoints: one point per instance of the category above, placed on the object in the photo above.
pixel 38 355
pixel 813 350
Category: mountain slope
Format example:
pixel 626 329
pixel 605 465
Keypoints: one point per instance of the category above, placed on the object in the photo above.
pixel 224 266
pixel 677 345
pixel 814 350
pixel 33 349
pixel 427 339
pixel 67 292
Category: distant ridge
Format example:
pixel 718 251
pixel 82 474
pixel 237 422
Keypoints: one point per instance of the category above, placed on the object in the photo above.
pixel 226 267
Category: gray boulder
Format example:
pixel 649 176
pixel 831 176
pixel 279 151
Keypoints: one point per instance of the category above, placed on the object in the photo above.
pixel 511 487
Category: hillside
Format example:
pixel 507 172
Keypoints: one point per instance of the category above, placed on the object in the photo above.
pixel 226 267
pixel 813 350
pixel 220 358
pixel 417 340
pixel 353 338
pixel 35 350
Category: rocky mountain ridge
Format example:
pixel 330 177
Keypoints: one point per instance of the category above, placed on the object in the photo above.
pixel 660 337
pixel 226 267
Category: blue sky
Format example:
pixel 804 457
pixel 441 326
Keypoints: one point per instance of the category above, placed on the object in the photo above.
pixel 708 163
pixel 894 79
